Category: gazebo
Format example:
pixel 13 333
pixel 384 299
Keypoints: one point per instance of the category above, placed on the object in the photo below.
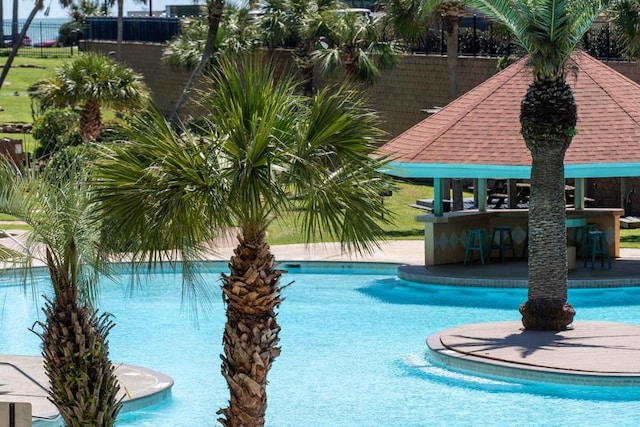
pixel 478 136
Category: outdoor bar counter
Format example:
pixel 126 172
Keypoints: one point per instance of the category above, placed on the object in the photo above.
pixel 446 235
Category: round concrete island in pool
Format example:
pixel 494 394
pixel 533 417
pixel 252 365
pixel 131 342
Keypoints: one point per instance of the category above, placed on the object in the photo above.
pixel 590 353
pixel 25 381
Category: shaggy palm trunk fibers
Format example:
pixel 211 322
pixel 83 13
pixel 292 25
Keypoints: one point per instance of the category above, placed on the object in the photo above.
pixel 83 383
pixel 251 293
pixel 548 118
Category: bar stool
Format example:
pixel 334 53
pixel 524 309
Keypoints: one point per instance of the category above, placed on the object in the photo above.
pixel 505 240
pixel 598 246
pixel 476 241
pixel 581 239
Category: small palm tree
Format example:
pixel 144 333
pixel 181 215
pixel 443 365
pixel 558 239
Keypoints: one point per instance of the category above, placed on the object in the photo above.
pixel 355 44
pixel 549 31
pixel 262 151
pixel 63 236
pixel 92 81
pixel 297 24
pixel 235 35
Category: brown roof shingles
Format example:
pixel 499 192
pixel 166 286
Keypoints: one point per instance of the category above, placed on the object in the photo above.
pixel 483 127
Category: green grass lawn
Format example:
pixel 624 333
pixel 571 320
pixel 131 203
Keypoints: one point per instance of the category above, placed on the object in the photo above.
pixel 630 237
pixel 13 95
pixel 14 100
pixel 284 231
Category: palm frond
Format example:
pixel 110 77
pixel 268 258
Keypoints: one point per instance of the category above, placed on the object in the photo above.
pixel 63 234
pixel 624 16
pixel 253 113
pixel 549 30
pixel 333 175
pixel 159 189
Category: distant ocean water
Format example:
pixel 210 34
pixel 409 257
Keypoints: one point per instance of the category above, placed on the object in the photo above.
pixel 40 29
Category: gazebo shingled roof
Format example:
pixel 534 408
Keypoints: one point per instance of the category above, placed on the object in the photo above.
pixel 478 134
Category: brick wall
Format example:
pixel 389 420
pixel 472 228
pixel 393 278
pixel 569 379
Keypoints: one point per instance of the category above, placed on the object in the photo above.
pixel 417 83
pixel 164 82
pixel 629 69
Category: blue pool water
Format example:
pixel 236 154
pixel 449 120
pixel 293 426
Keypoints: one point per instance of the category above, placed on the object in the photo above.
pixel 353 354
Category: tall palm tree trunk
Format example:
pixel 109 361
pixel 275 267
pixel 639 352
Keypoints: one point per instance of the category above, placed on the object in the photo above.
pixel 83 385
pixel 251 293
pixel 452 27
pixel 215 9
pixel 548 119
pixel 304 61
pixel 119 30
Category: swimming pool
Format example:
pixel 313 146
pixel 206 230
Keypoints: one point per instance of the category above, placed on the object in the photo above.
pixel 353 354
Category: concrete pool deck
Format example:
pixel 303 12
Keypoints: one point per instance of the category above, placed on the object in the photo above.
pixel 593 353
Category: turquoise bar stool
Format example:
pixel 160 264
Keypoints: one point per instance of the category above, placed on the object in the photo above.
pixel 503 242
pixel 581 239
pixel 476 242
pixel 598 247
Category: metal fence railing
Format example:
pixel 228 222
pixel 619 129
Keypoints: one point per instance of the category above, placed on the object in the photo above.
pixel 135 29
pixel 479 37
pixel 43 40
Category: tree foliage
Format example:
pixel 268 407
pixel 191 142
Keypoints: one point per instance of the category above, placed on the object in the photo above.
pixel 260 150
pixel 91 82
pixel 54 130
pixel 64 236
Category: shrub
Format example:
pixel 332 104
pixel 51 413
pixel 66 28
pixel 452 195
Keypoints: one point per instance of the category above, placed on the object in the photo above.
pixel 70 33
pixel 56 129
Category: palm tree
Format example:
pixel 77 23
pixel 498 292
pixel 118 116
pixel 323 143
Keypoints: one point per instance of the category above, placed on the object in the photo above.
pixel 405 21
pixel 62 235
pixel 92 81
pixel 549 31
pixel 408 19
pixel 355 44
pixel 235 35
pixel 452 12
pixel 262 151
pixel 297 24
pixel 625 16
pixel 119 22
pixel 320 32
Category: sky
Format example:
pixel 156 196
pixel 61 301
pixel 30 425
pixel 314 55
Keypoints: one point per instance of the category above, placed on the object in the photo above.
pixel 56 11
